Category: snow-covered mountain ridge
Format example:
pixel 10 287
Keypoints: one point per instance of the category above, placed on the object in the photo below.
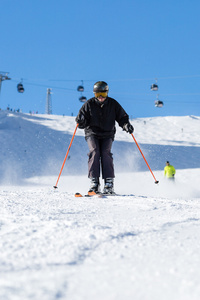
pixel 36 145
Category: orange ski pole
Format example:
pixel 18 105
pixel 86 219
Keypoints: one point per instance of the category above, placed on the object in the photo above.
pixel 55 186
pixel 156 181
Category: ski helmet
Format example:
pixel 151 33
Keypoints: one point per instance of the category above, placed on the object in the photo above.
pixel 100 86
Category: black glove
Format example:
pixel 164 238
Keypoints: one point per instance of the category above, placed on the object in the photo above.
pixel 81 121
pixel 81 126
pixel 128 128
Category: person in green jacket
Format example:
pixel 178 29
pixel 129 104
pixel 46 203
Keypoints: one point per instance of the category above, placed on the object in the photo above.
pixel 169 171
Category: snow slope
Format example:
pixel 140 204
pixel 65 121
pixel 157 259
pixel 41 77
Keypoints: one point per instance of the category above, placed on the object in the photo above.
pixel 143 244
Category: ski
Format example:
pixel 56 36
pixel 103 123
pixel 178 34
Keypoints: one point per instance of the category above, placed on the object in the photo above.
pixel 99 195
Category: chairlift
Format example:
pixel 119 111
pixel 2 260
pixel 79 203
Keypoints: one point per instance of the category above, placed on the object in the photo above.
pixel 83 99
pixel 80 88
pixel 20 88
pixel 154 86
pixel 158 103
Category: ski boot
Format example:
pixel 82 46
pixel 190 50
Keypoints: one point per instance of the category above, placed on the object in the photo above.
pixel 109 187
pixel 94 187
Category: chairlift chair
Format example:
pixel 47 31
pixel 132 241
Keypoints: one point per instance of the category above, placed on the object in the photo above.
pixel 154 87
pixel 159 103
pixel 80 88
pixel 83 99
pixel 20 88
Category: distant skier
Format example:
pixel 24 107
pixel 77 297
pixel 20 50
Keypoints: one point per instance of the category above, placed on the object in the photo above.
pixel 169 171
pixel 97 116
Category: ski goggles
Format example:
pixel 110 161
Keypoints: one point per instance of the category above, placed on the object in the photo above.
pixel 103 94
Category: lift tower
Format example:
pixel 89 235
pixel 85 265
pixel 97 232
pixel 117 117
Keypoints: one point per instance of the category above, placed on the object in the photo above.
pixel 3 76
pixel 48 109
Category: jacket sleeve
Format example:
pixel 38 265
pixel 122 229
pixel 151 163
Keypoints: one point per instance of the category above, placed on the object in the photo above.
pixel 121 116
pixel 174 171
pixel 83 117
pixel 165 171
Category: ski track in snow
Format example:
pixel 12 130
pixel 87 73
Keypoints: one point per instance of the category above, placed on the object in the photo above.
pixel 142 244
pixel 56 246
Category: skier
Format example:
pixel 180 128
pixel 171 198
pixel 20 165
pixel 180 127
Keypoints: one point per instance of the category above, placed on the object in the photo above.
pixel 169 171
pixel 97 117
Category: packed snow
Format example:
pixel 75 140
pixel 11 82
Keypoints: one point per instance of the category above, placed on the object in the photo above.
pixel 142 244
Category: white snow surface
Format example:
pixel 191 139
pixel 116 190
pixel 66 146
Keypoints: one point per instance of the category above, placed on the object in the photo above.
pixel 142 244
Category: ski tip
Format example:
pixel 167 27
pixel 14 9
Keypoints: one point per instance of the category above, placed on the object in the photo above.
pixel 156 182
pixel 98 195
pixel 78 195
pixel 92 193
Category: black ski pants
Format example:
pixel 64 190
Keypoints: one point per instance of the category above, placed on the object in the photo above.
pixel 100 156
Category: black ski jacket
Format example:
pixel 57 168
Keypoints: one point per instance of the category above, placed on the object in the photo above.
pixel 98 119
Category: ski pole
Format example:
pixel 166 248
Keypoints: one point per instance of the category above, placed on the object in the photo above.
pixel 55 186
pixel 156 181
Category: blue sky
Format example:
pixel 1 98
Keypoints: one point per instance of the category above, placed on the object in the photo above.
pixel 128 43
